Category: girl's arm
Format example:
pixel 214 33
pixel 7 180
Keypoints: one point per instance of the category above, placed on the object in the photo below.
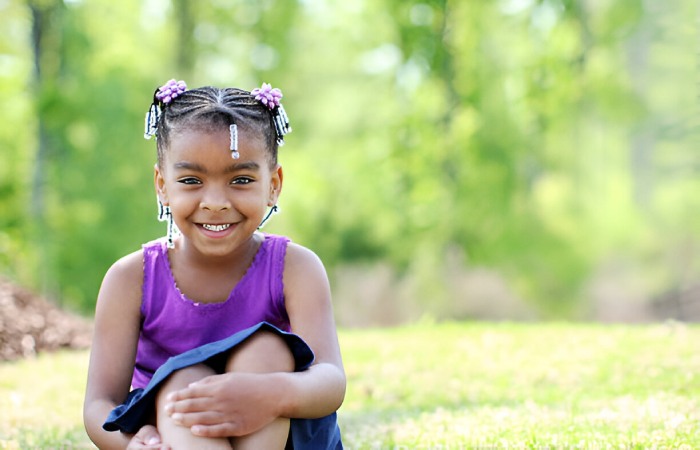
pixel 320 390
pixel 117 320
pixel 220 405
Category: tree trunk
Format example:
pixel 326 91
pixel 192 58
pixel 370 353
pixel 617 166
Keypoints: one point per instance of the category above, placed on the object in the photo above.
pixel 46 48
pixel 185 57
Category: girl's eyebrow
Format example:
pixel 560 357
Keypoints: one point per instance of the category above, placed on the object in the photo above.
pixel 195 167
pixel 248 165
pixel 185 165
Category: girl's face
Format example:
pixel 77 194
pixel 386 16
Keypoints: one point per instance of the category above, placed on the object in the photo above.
pixel 216 201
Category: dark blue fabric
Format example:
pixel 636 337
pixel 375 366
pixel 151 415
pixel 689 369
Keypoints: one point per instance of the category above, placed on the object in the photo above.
pixel 313 434
pixel 305 434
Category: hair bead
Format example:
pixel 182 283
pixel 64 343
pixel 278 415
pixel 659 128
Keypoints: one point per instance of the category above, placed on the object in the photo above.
pixel 151 121
pixel 233 130
pixel 170 91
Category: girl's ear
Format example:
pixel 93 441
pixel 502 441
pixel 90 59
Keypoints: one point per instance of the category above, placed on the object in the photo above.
pixel 159 183
pixel 277 176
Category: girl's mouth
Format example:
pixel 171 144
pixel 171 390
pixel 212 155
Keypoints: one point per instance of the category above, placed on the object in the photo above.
pixel 209 227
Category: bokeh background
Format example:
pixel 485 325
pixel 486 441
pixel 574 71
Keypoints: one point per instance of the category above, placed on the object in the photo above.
pixel 463 159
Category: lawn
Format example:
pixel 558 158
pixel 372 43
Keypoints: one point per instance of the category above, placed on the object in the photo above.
pixel 451 386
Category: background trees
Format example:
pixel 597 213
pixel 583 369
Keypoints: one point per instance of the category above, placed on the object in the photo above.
pixel 545 149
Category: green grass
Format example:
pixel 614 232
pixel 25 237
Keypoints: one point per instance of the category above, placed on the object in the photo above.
pixel 41 402
pixel 451 386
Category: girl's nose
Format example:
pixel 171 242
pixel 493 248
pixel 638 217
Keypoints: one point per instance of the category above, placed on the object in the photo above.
pixel 215 200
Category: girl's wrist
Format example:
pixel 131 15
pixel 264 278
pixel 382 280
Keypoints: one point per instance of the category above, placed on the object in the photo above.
pixel 283 393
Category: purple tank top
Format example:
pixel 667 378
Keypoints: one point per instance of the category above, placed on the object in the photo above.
pixel 173 324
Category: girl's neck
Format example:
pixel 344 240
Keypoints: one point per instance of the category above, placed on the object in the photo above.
pixel 205 279
pixel 241 258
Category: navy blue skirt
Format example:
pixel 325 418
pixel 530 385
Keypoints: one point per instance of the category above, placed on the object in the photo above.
pixel 304 434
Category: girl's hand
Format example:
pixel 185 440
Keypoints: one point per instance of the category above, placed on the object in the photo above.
pixel 147 438
pixel 232 404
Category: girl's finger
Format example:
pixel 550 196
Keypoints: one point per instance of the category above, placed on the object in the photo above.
pixel 217 430
pixel 192 405
pixel 205 418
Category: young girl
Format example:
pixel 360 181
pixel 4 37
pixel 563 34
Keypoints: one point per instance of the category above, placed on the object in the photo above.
pixel 199 324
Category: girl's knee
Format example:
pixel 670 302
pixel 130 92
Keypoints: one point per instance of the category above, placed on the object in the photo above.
pixel 171 432
pixel 190 374
pixel 261 353
pixel 182 378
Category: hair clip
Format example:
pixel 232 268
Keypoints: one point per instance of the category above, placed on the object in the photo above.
pixel 170 90
pixel 267 95
pixel 233 130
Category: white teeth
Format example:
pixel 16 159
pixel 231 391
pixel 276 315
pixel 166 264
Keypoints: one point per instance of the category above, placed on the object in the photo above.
pixel 215 227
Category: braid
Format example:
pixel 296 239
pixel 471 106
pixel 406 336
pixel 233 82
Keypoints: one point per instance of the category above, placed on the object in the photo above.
pixel 214 108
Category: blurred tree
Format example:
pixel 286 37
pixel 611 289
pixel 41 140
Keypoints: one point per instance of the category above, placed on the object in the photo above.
pixel 544 139
pixel 47 49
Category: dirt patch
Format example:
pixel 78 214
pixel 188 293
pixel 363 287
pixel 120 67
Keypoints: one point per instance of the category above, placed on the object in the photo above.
pixel 30 324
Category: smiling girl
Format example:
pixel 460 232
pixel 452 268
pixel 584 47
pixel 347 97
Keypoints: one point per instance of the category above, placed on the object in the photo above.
pixel 218 336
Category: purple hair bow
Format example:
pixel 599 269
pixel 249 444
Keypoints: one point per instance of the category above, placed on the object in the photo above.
pixel 170 90
pixel 267 95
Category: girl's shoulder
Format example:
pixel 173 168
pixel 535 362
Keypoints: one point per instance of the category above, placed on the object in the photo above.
pixel 299 252
pixel 131 266
pixel 301 261
pixel 307 294
pixel 120 293
pixel 127 269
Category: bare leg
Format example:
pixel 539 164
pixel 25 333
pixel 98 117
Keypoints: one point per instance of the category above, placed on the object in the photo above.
pixel 263 352
pixel 179 437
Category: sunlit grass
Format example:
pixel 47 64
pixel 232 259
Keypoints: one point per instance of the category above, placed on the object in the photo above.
pixel 41 402
pixel 523 386
pixel 451 386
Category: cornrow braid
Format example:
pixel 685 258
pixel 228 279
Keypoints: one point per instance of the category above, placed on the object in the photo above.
pixel 213 108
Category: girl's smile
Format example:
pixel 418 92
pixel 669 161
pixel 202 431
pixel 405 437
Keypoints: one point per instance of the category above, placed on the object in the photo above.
pixel 216 228
pixel 217 231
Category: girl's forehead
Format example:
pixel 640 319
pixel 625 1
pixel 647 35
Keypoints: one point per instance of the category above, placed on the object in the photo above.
pixel 199 129
pixel 208 142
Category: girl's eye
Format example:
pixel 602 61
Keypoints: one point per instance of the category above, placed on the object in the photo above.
pixel 242 180
pixel 189 180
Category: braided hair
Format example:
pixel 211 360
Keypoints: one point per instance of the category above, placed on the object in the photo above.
pixel 213 108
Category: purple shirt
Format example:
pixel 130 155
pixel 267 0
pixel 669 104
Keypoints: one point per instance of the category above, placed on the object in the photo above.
pixel 172 323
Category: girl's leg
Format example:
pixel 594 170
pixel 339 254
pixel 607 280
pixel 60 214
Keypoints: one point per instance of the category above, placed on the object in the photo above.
pixel 263 352
pixel 176 436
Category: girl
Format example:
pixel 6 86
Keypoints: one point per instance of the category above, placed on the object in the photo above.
pixel 200 324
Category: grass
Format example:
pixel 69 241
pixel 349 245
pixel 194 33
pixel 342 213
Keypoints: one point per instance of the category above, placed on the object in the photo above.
pixel 41 402
pixel 451 386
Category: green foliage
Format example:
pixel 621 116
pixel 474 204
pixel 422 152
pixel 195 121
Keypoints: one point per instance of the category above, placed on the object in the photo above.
pixel 544 138
pixel 452 385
